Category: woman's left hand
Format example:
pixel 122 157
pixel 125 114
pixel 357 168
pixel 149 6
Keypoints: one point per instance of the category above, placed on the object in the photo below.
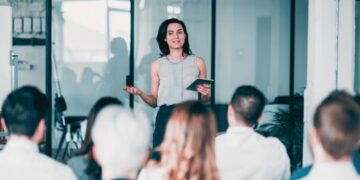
pixel 203 89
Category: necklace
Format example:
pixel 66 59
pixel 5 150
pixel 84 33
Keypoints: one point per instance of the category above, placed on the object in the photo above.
pixel 175 61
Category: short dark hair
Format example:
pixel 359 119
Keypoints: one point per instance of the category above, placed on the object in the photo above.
pixel 337 122
pixel 160 38
pixel 248 103
pixel 23 109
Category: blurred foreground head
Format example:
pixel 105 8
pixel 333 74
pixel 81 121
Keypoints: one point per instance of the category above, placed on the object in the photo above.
pixel 337 125
pixel 121 139
pixel 188 147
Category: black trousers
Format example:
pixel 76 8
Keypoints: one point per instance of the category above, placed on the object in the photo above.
pixel 161 120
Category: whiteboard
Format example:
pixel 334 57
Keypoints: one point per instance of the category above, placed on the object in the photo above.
pixel 5 47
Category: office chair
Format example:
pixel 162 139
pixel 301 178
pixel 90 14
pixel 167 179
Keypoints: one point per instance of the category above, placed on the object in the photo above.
pixel 70 126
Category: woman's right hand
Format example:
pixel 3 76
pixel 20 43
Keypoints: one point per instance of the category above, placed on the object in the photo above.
pixel 132 90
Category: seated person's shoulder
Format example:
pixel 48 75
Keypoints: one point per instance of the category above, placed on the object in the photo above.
pixel 273 141
pixel 272 145
pixel 58 168
pixel 223 138
pixel 276 144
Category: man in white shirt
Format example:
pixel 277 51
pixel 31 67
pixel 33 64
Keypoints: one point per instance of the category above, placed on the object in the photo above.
pixel 334 137
pixel 241 153
pixel 23 114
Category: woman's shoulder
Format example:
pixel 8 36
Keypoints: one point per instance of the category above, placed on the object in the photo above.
pixel 158 61
pixel 161 58
pixel 155 64
pixel 200 61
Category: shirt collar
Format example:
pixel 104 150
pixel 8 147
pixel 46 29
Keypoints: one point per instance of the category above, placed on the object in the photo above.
pixel 333 167
pixel 334 164
pixel 21 144
pixel 239 129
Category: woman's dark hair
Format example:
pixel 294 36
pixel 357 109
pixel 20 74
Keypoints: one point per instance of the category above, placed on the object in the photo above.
pixel 99 105
pixel 160 38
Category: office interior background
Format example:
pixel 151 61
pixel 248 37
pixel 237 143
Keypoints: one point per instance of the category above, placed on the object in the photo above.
pixel 290 49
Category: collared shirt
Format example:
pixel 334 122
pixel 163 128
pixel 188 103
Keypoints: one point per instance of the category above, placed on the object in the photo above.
pixel 304 171
pixel 241 153
pixel 333 170
pixel 21 159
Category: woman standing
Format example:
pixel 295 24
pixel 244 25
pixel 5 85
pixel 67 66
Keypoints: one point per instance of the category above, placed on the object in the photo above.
pixel 175 70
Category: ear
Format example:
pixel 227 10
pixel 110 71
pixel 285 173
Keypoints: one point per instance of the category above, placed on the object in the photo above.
pixel 41 126
pixel 39 132
pixel 3 125
pixel 314 137
pixel 146 158
pixel 315 144
pixel 94 154
pixel 231 115
pixel 230 110
pixel 260 118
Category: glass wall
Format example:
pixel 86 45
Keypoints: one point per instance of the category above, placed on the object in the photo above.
pixel 91 42
pixel 259 33
pixel 253 47
pixel 253 41
pixel 91 48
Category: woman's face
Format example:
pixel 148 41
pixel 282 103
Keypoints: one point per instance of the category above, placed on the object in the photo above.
pixel 175 36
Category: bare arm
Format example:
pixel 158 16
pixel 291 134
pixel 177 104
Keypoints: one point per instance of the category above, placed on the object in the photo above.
pixel 203 89
pixel 150 99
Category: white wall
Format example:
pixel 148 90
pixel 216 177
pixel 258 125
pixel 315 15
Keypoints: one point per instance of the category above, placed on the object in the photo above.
pixel 34 55
pixel 5 47
pixel 325 52
pixel 346 52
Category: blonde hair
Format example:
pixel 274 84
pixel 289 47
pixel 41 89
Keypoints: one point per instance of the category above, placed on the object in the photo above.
pixel 188 150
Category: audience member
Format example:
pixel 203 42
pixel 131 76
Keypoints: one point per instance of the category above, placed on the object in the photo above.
pixel 23 114
pixel 302 172
pixel 241 153
pixel 187 151
pixel 121 139
pixel 334 137
pixel 84 165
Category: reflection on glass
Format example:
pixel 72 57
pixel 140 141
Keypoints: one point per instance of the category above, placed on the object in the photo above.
pixel 92 48
pixel 84 40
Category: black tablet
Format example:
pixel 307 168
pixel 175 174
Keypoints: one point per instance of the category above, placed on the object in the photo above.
pixel 198 81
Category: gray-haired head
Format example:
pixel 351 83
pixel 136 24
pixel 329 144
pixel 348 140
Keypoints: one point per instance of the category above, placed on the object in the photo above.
pixel 121 139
